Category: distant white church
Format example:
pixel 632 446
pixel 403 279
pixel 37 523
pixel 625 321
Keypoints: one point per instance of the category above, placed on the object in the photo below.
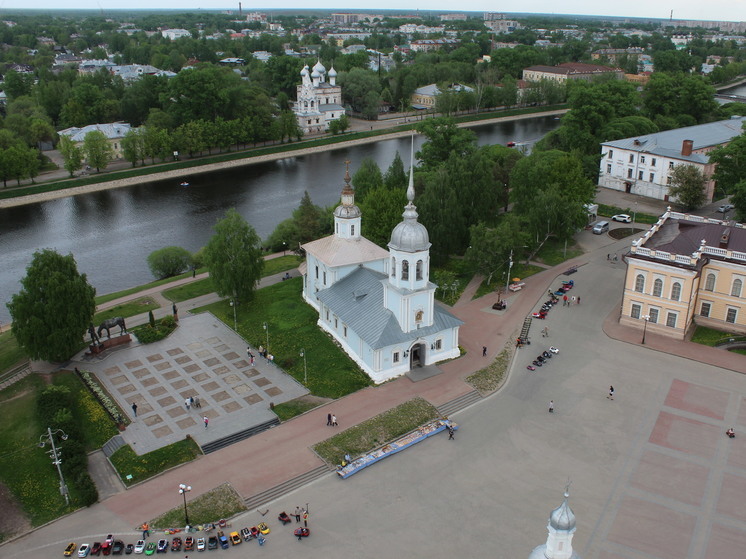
pixel 379 305
pixel 319 102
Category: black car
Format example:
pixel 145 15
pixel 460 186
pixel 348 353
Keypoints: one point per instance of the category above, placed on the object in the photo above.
pixel 128 549
pixel 212 543
pixel 117 547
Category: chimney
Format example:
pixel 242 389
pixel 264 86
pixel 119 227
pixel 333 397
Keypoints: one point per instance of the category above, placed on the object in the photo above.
pixel 725 237
pixel 686 147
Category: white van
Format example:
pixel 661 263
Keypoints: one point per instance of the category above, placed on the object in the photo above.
pixel 601 227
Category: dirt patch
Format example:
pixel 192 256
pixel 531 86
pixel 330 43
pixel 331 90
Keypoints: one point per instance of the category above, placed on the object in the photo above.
pixel 13 520
pixel 311 399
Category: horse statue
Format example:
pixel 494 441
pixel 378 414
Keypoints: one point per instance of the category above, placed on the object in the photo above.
pixel 110 323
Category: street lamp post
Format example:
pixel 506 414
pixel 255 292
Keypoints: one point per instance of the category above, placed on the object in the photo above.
pixel 266 329
pixel 305 367
pixel 56 455
pixel 634 216
pixel 646 318
pixel 284 247
pixel 183 490
pixel 235 322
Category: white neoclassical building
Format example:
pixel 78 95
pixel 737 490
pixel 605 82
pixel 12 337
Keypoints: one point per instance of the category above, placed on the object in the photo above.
pixel 319 101
pixel 378 304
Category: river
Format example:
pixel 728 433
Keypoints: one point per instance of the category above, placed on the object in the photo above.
pixel 111 232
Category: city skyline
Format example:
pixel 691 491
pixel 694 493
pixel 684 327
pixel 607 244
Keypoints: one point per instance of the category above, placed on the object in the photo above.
pixel 716 10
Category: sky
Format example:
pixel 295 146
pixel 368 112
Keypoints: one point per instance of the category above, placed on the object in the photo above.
pixel 728 10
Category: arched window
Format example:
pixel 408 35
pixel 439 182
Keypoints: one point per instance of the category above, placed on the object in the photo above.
pixel 658 287
pixel 404 270
pixel 640 283
pixel 710 282
pixel 735 291
pixel 419 270
pixel 312 104
pixel 352 230
pixel 676 291
pixel 393 267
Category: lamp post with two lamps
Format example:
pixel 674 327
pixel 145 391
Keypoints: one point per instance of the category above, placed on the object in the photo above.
pixel 305 367
pixel 646 318
pixel 183 490
pixel 56 455
pixel 235 322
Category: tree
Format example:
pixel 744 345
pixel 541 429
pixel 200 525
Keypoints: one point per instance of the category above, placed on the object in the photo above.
pixel 52 311
pixel 443 139
pixel 688 186
pixel 731 164
pixel 169 261
pixel 133 146
pixel 382 211
pixel 366 178
pixel 97 149
pixel 490 247
pixel 234 257
pixel 395 177
pixel 340 125
pixel 72 155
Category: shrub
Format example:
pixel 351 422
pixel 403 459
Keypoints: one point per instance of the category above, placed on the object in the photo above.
pixel 168 321
pixel 169 261
pixel 151 319
pixel 198 258
pixel 52 400
pixel 148 334
pixel 86 489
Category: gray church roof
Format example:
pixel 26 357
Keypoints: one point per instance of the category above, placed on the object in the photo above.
pixel 669 142
pixel 357 300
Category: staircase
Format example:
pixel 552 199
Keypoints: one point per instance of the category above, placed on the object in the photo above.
pixel 526 328
pixel 112 445
pixel 457 404
pixel 239 436
pixel 277 491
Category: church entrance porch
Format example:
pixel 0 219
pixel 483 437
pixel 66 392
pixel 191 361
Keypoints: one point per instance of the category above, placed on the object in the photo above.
pixel 417 356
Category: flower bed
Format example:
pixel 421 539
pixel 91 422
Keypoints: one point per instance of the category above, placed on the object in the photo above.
pixel 108 403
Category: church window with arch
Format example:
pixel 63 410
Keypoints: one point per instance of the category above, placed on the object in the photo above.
pixel 404 270
pixel 419 267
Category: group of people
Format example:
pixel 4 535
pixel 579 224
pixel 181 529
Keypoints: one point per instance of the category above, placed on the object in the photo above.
pixel 192 401
pixel 331 419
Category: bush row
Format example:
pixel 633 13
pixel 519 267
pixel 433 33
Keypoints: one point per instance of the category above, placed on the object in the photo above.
pixel 149 333
pixel 91 382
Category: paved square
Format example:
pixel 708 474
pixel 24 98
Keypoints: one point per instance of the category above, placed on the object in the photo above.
pixel 160 376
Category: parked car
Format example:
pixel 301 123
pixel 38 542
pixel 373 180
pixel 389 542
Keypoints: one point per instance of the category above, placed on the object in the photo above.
pixel 223 539
pixel 162 546
pixel 128 549
pixel 212 542
pixel 235 538
pixel 725 208
pixel 201 544
pixel 139 547
pixel 117 547
pixel 176 544
pixel 188 543
pixel 84 550
pixel 150 548
pixel 70 549
pixel 624 218
pixel 600 228
pixel 96 548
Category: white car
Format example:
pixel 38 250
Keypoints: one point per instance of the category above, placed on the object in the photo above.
pixel 84 550
pixel 139 546
pixel 624 218
pixel 725 208
pixel 201 544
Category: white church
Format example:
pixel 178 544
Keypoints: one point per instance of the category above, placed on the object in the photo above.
pixel 378 304
pixel 319 102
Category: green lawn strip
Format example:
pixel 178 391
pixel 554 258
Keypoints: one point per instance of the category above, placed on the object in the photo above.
pixel 377 431
pixel 292 327
pixel 101 299
pixel 127 463
pixel 519 270
pixel 606 210
pixel 10 352
pixel 711 337
pixel 205 286
pixel 553 252
pixel 216 504
pixel 463 272
pixel 293 408
pixel 126 310
pixel 26 469
pixel 490 378
pixel 95 423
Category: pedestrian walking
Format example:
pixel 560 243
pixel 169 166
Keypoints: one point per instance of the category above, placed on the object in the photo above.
pixel 191 400
pixel 551 406
pixel 611 393
pixel 334 420
pixel 197 403
pixel 484 351
pixel 194 273
pixel 545 332
pixel 450 433
pixel 328 419
pixel 305 518
pixel 297 515
pixel 188 403
pixel 134 408
pixel 578 299
pixel 564 300
pixel 573 298
pixel 176 311
pixel 206 420
pixel 145 530
pixel 608 257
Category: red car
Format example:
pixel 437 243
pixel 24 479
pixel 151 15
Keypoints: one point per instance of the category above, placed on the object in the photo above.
pixel 176 544
pixel 189 543
pixel 96 548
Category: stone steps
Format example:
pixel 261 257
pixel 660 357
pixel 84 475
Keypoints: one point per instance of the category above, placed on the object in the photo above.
pixel 457 404
pixel 112 445
pixel 239 436
pixel 255 501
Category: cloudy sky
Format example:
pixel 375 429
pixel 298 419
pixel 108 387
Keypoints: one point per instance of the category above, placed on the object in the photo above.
pixel 729 10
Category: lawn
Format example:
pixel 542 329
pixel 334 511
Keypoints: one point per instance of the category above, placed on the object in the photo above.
pixel 125 310
pixel 24 467
pixel 452 278
pixel 377 431
pixel 293 408
pixel 555 252
pixel 95 424
pixel 711 337
pixel 10 353
pixel 221 502
pixel 140 468
pixel 292 328
pixel 111 296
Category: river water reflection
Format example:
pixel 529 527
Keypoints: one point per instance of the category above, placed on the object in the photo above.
pixel 111 233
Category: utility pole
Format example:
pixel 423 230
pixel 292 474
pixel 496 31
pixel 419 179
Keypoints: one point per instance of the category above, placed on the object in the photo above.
pixel 56 458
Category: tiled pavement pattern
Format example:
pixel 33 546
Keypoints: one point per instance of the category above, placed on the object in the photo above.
pixel 202 359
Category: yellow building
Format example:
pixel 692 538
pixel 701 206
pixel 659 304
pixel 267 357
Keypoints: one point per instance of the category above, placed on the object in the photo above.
pixel 686 270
